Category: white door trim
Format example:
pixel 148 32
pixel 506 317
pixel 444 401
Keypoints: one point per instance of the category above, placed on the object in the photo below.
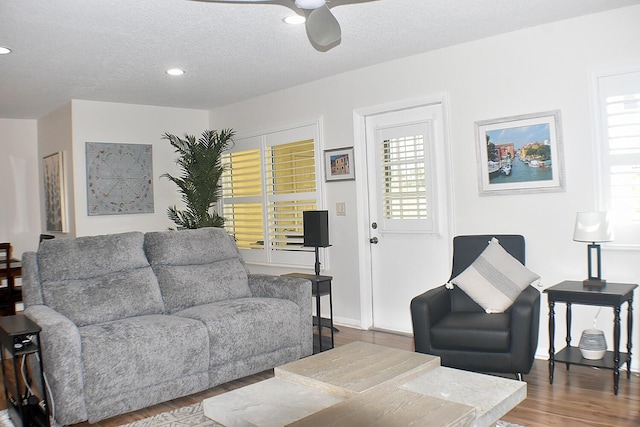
pixel 362 188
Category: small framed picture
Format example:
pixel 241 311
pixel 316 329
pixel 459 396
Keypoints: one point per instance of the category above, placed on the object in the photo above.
pixel 520 154
pixel 338 164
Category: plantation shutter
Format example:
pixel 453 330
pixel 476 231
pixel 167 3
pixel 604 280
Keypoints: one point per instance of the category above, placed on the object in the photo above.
pixel 242 197
pixel 266 189
pixel 291 189
pixel 404 162
pixel 620 121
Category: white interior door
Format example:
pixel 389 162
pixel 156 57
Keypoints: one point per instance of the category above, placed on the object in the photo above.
pixel 408 169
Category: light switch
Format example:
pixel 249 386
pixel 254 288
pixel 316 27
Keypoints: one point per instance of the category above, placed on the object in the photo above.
pixel 341 208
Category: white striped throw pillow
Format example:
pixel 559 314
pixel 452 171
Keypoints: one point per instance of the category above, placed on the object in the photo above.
pixel 495 279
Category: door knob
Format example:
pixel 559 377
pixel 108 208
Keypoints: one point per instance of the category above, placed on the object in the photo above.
pixel 373 240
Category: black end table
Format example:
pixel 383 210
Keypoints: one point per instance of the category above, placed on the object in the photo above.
pixel 612 295
pixel 20 337
pixel 320 286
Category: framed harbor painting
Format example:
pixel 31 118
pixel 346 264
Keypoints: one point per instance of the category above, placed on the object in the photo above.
pixel 520 154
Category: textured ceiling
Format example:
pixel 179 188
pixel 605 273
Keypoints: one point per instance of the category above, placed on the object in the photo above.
pixel 118 50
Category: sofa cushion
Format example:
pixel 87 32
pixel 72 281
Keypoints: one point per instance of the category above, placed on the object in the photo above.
pixel 495 279
pixel 196 267
pixel 245 327
pixel 473 331
pixel 139 354
pixel 96 279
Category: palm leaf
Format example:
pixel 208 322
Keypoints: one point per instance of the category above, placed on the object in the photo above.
pixel 200 163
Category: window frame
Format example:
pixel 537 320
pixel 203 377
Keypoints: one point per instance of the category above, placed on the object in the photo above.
pixel 262 140
pixel 602 160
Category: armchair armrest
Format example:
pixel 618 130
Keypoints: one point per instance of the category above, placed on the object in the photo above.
pixel 426 310
pixel 62 359
pixel 525 323
pixel 293 289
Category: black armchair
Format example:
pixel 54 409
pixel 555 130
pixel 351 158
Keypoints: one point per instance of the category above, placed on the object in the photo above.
pixel 449 324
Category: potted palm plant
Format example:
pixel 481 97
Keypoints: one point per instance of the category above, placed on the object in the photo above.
pixel 201 165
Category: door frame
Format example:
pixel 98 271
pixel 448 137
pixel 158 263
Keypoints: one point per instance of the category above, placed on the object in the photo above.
pixel 362 188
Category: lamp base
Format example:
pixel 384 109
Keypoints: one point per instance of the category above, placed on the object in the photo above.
pixel 594 283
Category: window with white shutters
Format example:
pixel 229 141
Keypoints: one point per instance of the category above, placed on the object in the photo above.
pixel 269 181
pixel 619 107
pixel 405 173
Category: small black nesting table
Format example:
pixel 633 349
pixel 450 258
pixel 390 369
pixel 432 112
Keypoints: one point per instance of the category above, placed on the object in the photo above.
pixel 320 286
pixel 20 337
pixel 611 295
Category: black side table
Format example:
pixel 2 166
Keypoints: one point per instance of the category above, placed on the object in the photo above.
pixel 20 337
pixel 320 286
pixel 612 295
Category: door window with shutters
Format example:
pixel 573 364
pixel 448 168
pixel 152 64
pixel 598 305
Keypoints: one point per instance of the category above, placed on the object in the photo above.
pixel 404 168
pixel 269 181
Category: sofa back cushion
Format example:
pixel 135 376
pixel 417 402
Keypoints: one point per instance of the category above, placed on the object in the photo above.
pixel 196 267
pixel 97 279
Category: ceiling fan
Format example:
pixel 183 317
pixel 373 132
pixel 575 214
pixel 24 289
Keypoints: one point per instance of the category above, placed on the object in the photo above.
pixel 323 29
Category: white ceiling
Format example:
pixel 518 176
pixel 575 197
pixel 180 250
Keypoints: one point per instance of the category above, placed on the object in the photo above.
pixel 118 50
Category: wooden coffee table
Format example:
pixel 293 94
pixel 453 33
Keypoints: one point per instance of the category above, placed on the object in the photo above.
pixel 362 384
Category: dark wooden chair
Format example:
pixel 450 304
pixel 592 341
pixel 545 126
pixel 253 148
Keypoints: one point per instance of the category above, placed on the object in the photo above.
pixel 9 293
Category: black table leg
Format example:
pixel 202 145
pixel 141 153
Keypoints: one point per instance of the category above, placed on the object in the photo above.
pixel 552 330
pixel 319 317
pixel 629 329
pixel 568 338
pixel 616 348
pixel 331 316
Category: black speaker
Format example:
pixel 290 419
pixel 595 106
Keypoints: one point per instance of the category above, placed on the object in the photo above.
pixel 316 228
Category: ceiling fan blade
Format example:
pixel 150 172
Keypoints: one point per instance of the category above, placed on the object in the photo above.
pixel 334 3
pixel 323 28
pixel 237 1
pixel 244 1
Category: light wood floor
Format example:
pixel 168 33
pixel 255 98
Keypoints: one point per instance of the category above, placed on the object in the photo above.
pixel 582 396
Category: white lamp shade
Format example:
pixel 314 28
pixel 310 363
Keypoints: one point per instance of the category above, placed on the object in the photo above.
pixel 593 227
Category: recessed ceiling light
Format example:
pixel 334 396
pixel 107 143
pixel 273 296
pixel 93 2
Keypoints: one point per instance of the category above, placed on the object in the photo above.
pixel 175 72
pixel 4 50
pixel 295 19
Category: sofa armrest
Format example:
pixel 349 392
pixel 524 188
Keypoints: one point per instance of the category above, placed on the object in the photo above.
pixel 426 310
pixel 525 324
pixel 62 359
pixel 31 291
pixel 293 289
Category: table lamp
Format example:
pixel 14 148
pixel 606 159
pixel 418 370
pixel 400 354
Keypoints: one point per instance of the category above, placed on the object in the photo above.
pixel 594 228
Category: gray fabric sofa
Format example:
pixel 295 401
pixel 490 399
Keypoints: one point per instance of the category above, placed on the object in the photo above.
pixel 131 320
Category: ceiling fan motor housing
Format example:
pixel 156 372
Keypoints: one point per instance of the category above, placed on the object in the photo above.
pixel 310 4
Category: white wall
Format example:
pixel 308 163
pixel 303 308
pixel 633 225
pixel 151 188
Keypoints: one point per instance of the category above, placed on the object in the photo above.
pixel 533 70
pixel 54 135
pixel 133 124
pixel 19 184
